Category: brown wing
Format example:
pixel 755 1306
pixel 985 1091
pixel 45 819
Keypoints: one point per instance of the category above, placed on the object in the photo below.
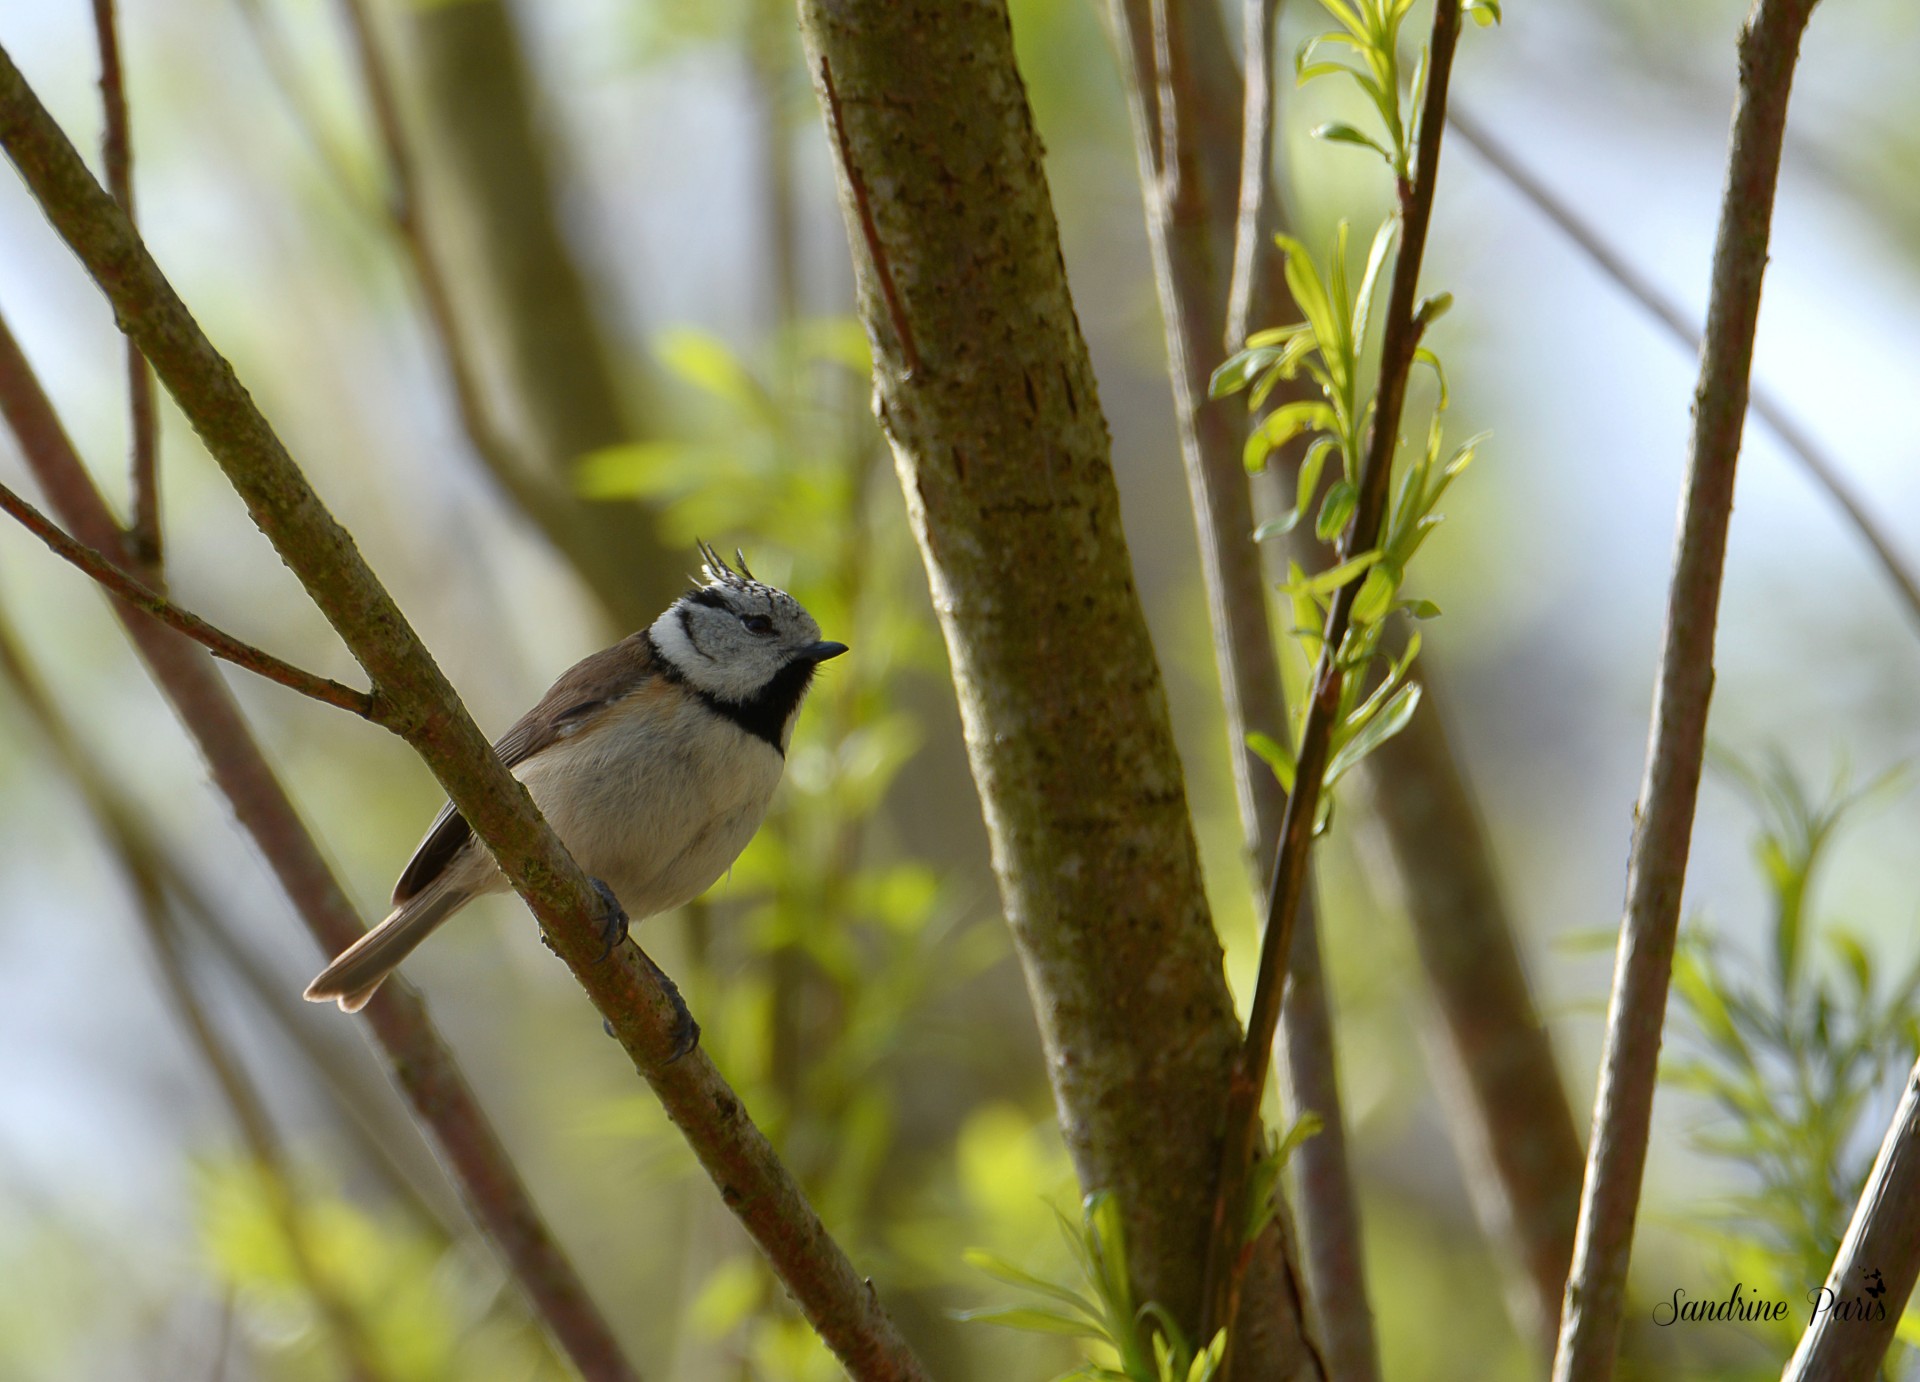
pixel 584 692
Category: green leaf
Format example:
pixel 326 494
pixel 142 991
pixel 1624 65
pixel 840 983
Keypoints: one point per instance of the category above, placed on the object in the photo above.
pixel 1309 478
pixel 1281 426
pixel 1275 755
pixel 1482 12
pixel 1700 991
pixel 1309 294
pixel 1013 1276
pixel 1390 721
pixel 639 470
pixel 1854 956
pixel 1237 370
pixel 1383 239
pixel 1031 1319
pixel 703 360
pixel 1335 510
pixel 1207 1364
pixel 1340 132
pixel 1275 335
pixel 1421 609
pixel 1330 580
pixel 1431 308
pixel 1376 593
pixel 1426 357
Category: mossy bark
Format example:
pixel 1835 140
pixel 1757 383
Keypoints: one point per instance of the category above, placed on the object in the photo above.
pixel 985 390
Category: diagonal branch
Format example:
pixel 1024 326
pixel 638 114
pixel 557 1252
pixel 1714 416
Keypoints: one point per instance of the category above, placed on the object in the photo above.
pixel 417 1058
pixel 218 642
pixel 1656 872
pixel 1883 1241
pixel 1761 401
pixel 1401 339
pixel 143 421
pixel 627 989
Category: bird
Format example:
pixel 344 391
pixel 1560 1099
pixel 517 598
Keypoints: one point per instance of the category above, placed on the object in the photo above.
pixel 654 761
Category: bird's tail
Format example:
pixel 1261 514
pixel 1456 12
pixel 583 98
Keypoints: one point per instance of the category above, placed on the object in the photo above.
pixel 359 969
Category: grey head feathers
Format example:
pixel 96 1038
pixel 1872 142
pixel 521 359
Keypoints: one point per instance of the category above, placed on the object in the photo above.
pixel 745 648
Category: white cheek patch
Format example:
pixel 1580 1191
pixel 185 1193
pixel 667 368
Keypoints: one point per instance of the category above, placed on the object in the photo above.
pixel 670 637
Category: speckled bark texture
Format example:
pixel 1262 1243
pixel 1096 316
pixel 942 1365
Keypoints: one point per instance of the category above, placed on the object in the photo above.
pixel 1004 456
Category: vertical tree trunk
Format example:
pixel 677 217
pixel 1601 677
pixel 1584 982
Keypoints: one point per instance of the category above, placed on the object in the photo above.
pixel 986 393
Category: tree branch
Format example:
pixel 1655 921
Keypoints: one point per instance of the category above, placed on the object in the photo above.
pixel 472 84
pixel 418 1060
pixel 1883 1241
pixel 1401 339
pixel 1596 1289
pixel 1001 448
pixel 219 643
pixel 143 421
pixel 1761 401
pixel 1185 213
pixel 626 989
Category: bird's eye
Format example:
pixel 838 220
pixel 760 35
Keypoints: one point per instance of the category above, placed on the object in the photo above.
pixel 757 623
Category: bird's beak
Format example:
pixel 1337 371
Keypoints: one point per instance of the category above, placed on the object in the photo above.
pixel 822 652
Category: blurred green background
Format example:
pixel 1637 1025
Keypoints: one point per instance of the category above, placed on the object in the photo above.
pixel 852 975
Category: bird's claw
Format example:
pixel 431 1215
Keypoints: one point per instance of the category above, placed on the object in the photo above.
pixel 614 923
pixel 686 1032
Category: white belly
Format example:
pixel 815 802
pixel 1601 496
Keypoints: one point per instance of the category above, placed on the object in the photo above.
pixel 656 806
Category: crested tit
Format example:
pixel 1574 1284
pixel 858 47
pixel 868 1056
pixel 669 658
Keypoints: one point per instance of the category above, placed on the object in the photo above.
pixel 653 760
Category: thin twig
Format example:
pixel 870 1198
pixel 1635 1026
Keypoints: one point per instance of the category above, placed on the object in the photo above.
pixel 1769 46
pixel 1513 1123
pixel 1761 401
pixel 283 73
pixel 1880 1255
pixel 219 643
pixel 417 1057
pixel 406 211
pixel 896 312
pixel 143 420
pixel 1401 339
pixel 626 988
pixel 1186 214
pixel 1257 218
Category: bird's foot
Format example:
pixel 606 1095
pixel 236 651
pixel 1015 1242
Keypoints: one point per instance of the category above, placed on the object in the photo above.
pixel 686 1032
pixel 614 923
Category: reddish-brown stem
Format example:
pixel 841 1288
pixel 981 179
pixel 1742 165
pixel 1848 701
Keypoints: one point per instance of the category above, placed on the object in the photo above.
pixel 1590 1317
pixel 219 643
pixel 1400 341
pixel 863 203
pixel 143 419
